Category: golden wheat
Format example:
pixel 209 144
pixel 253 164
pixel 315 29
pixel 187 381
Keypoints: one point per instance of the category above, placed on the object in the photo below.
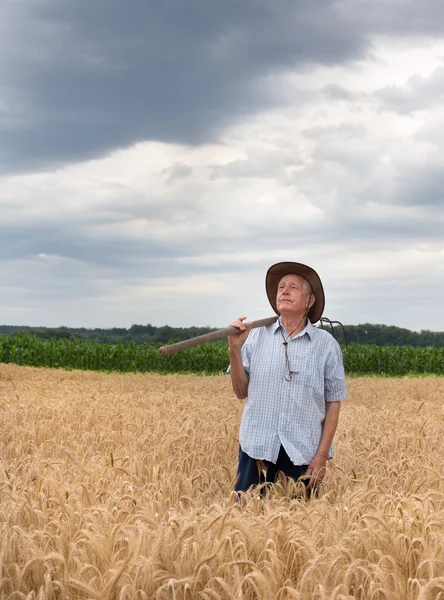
pixel 120 487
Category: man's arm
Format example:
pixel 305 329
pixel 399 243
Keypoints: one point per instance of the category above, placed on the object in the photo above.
pixel 335 391
pixel 239 379
pixel 317 467
pixel 329 429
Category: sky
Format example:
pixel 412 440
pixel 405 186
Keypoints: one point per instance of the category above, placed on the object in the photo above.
pixel 156 158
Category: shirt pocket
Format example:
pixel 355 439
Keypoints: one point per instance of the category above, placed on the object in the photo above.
pixel 309 374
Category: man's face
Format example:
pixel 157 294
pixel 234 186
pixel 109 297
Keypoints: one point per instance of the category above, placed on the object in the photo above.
pixel 292 297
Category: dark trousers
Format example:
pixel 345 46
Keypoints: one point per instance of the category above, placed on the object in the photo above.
pixel 249 472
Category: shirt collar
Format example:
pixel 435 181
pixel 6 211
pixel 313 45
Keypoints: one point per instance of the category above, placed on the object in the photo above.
pixel 308 329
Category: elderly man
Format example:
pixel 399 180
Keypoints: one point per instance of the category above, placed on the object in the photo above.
pixel 292 375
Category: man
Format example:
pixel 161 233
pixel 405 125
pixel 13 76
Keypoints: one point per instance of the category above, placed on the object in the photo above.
pixel 292 375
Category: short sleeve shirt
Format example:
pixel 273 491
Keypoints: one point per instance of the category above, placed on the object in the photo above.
pixel 291 413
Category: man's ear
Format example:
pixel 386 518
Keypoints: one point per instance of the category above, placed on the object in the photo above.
pixel 311 301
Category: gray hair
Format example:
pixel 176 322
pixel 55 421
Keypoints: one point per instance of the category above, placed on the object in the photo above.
pixel 307 286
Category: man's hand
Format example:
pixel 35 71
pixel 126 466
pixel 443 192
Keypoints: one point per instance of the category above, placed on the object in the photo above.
pixel 236 341
pixel 318 467
pixel 316 470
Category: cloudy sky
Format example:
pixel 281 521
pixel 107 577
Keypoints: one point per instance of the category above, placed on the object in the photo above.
pixel 157 157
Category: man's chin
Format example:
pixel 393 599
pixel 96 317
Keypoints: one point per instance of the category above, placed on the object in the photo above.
pixel 286 309
pixel 284 305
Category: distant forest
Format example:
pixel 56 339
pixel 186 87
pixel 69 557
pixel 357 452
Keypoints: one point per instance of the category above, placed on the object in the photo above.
pixel 380 335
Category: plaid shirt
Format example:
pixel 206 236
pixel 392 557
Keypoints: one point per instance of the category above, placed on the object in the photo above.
pixel 284 412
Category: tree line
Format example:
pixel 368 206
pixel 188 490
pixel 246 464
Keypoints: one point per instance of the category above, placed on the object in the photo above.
pixel 139 334
pixel 388 335
pixel 379 335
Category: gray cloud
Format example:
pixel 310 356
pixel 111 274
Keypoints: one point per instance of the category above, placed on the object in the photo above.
pixel 70 275
pixel 177 171
pixel 337 92
pixel 421 185
pixel 84 77
pixel 129 258
pixel 419 93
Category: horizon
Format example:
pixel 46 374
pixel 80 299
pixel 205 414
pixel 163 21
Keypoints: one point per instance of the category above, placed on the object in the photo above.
pixel 326 326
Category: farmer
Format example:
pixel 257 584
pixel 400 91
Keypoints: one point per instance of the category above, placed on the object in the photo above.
pixel 293 376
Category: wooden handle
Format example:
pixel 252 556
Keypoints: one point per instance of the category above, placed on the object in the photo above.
pixel 211 337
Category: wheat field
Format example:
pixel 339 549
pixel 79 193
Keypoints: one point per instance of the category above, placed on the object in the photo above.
pixel 120 487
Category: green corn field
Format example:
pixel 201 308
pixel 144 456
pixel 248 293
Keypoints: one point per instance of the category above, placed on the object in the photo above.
pixel 210 359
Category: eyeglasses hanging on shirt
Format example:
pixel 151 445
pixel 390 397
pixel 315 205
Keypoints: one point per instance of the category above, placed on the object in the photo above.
pixel 285 343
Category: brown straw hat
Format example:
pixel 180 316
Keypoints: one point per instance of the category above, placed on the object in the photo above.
pixel 279 270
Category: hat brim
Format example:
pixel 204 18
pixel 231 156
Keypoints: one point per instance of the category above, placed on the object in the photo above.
pixel 279 270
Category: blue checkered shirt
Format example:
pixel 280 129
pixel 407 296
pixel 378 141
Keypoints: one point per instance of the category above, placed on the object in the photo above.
pixel 284 412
